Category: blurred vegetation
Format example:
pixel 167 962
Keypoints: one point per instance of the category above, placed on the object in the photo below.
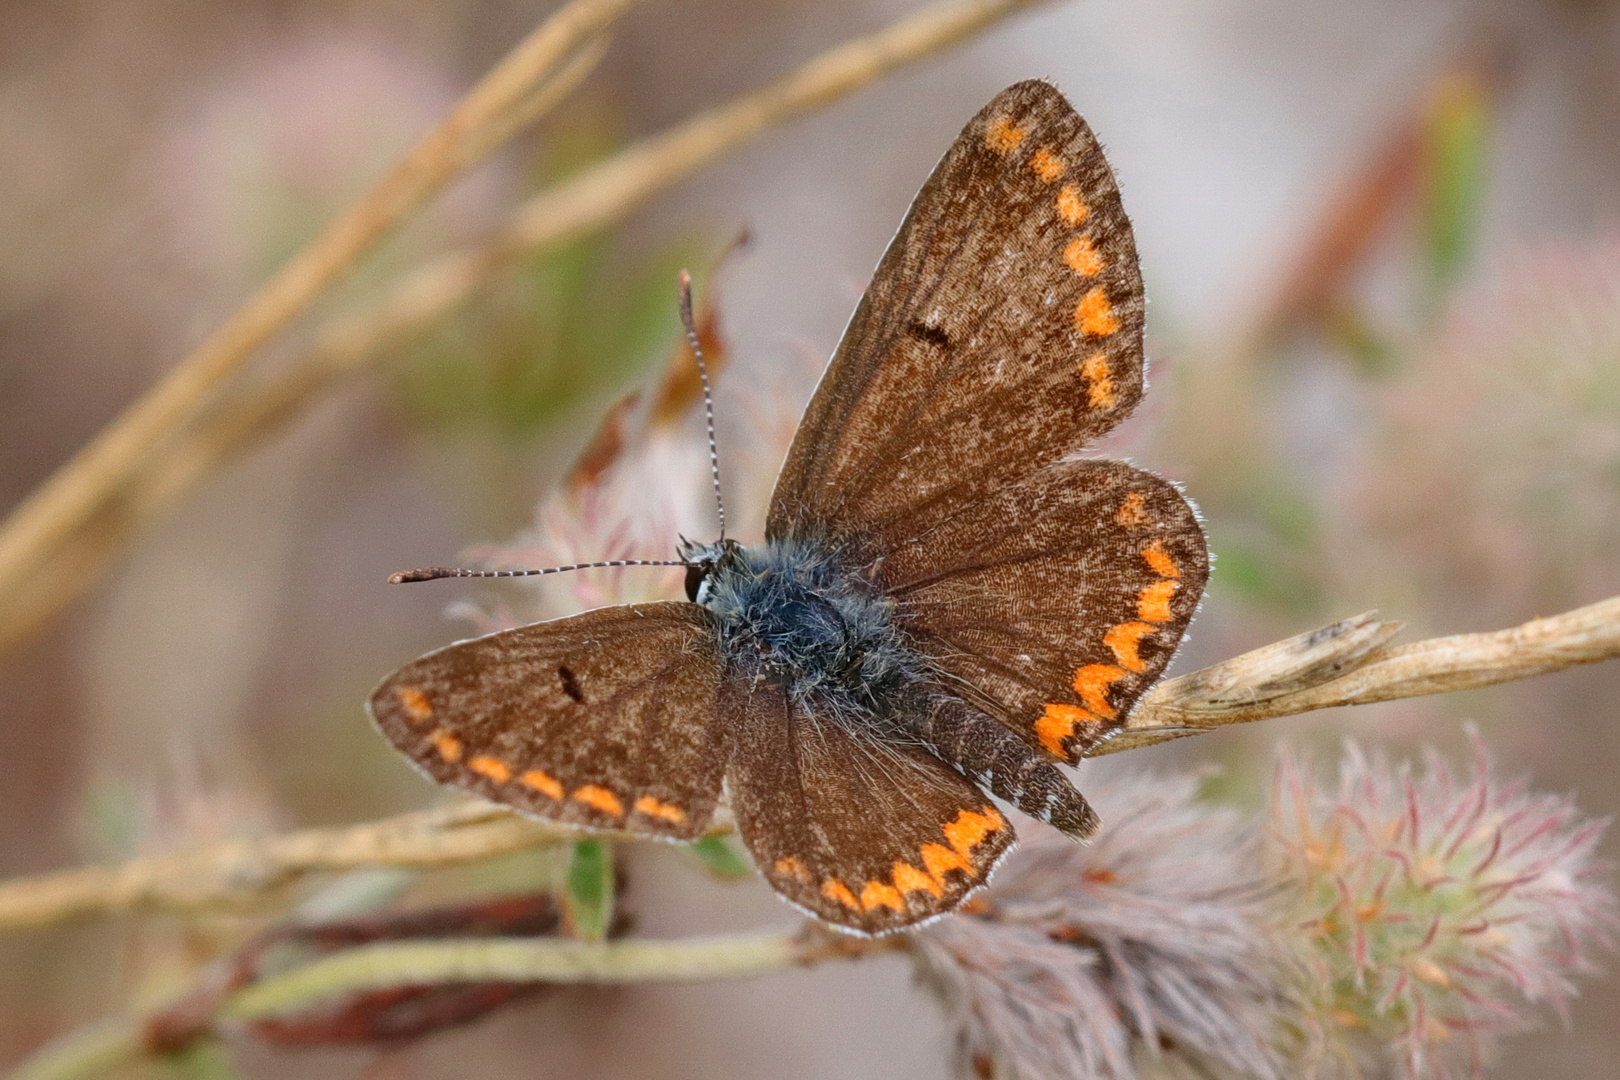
pixel 547 346
pixel 1277 528
pixel 567 329
pixel 1455 178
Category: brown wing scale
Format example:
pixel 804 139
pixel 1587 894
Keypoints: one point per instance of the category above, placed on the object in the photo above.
pixel 604 720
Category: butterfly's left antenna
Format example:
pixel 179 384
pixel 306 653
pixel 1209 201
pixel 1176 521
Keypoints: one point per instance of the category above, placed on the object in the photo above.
pixel 434 573
pixel 708 397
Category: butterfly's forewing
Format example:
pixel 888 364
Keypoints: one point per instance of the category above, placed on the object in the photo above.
pixel 869 835
pixel 1054 603
pixel 1002 329
pixel 606 719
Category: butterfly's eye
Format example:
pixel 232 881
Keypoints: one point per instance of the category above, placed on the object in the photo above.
pixel 695 573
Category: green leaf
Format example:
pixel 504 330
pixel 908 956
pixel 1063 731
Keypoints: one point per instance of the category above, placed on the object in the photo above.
pixel 721 858
pixel 203 1060
pixel 1457 138
pixel 1255 570
pixel 1372 355
pixel 588 889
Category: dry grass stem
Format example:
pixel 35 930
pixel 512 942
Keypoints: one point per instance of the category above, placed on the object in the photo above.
pixel 48 579
pixel 241 871
pixel 85 1052
pixel 434 963
pixel 92 1051
pixel 85 485
pixel 192 455
pixel 595 197
pixel 1347 663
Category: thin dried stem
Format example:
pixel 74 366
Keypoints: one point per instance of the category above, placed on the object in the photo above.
pixel 85 485
pixel 1347 663
pixel 85 1052
pixel 242 871
pixel 435 963
pixel 47 579
pixel 94 1050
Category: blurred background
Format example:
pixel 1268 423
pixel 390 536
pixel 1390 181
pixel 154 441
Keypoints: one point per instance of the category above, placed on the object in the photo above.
pixel 1382 248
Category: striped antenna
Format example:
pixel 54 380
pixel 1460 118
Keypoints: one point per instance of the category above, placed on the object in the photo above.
pixel 708 398
pixel 434 573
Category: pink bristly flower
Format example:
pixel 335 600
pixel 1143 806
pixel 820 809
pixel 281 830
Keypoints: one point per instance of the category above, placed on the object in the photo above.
pixel 1434 911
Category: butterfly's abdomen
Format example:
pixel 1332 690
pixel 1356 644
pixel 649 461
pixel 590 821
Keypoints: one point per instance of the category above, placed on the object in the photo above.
pixel 988 753
pixel 791 611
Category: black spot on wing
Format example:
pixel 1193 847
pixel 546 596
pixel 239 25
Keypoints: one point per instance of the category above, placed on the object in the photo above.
pixel 934 335
pixel 570 684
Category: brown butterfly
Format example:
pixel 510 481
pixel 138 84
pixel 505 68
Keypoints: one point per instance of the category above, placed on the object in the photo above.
pixel 945 607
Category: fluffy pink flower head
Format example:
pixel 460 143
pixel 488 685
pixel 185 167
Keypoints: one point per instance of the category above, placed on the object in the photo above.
pixel 1145 949
pixel 1435 910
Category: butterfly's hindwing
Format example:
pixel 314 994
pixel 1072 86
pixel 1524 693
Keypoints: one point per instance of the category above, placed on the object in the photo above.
pixel 1002 329
pixel 1055 603
pixel 604 720
pixel 869 835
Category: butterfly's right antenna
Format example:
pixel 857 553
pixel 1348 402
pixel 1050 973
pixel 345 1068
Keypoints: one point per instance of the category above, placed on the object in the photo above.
pixel 708 397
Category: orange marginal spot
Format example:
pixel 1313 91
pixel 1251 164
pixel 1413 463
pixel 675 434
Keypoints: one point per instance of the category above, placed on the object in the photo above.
pixel 544 783
pixel 1082 257
pixel 1046 165
pixel 448 746
pixel 969 828
pixel 938 858
pixel 1057 723
pixel 1133 511
pixel 788 866
pixel 414 702
pixel 1160 560
pixel 1003 136
pixel 1124 640
pixel 600 798
pixel 494 768
pixel 1153 605
pixel 1099 381
pixel 1092 682
pixel 1094 315
pixel 833 889
pixel 877 894
pixel 1071 205
pixel 667 811
pixel 908 878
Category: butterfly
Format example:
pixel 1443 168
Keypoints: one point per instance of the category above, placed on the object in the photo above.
pixel 947 604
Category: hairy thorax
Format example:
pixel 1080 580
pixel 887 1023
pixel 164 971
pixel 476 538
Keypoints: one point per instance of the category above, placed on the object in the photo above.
pixel 791 612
